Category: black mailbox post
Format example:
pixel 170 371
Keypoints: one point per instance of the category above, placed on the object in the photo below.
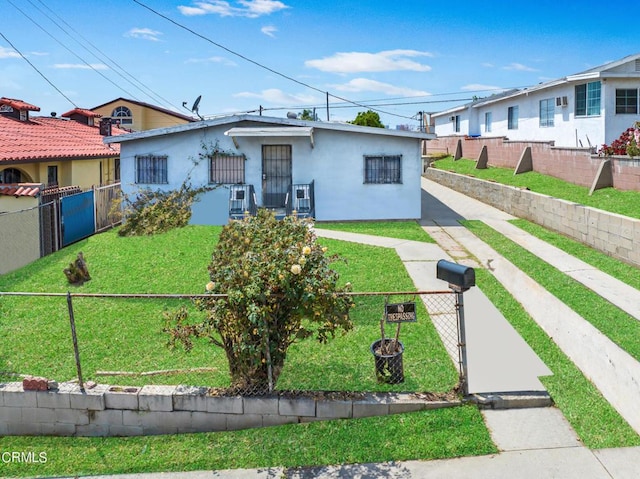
pixel 460 279
pixel 458 276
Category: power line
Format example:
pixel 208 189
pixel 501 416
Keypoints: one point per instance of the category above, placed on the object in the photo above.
pixel 38 71
pixel 68 49
pixel 119 70
pixel 260 65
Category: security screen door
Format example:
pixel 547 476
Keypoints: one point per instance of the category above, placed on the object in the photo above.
pixel 276 175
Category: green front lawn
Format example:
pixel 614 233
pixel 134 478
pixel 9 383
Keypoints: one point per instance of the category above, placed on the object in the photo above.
pixel 126 334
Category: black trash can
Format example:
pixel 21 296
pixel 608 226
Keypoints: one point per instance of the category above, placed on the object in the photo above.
pixel 389 368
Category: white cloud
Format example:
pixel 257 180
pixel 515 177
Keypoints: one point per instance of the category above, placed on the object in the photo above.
pixel 144 34
pixel 366 85
pixel 8 53
pixel 488 65
pixel 519 67
pixel 385 61
pixel 244 8
pixel 81 66
pixel 278 97
pixel 481 87
pixel 222 60
pixel 269 30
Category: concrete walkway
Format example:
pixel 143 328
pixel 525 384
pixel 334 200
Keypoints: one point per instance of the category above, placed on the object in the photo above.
pixel 612 370
pixel 499 360
pixel 534 442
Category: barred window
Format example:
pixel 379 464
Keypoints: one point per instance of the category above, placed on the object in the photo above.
pixel 382 169
pixel 227 169
pixel 151 169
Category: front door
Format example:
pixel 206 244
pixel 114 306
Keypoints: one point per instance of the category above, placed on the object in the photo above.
pixel 276 175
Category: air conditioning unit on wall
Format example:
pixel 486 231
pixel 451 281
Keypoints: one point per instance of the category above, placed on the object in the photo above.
pixel 562 101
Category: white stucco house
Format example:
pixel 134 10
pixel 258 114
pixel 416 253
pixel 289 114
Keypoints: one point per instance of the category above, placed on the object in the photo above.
pixel 331 171
pixel 580 110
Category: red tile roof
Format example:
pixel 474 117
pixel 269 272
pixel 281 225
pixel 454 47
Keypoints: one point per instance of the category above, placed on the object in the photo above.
pixel 45 138
pixel 20 189
pixel 81 111
pixel 18 104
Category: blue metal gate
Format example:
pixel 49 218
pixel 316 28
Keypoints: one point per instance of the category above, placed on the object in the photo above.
pixel 78 217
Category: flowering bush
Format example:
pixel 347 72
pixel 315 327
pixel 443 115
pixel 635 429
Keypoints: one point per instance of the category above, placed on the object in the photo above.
pixel 627 144
pixel 280 289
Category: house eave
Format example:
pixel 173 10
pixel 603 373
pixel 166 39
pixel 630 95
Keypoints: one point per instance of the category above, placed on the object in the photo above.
pixel 220 121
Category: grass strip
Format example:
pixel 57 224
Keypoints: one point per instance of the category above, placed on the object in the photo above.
pixel 605 263
pixel 597 423
pixel 408 230
pixel 622 328
pixel 609 199
pixel 436 434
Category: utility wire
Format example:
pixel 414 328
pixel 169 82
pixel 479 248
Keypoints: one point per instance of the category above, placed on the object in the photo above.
pixel 36 69
pixel 103 56
pixel 275 72
pixel 69 50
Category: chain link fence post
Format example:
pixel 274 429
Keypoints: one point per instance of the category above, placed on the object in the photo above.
pixel 74 336
pixel 462 342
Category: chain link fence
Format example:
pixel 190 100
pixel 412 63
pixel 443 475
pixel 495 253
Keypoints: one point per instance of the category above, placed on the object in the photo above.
pixel 401 341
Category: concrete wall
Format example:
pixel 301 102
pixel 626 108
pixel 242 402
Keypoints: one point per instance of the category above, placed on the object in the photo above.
pixel 626 173
pixel 20 243
pixel 112 411
pixel 574 165
pixel 612 234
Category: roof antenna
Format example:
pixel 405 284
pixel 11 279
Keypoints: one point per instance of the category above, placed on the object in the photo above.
pixel 194 108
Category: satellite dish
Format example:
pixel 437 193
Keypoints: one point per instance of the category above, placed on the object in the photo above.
pixel 194 108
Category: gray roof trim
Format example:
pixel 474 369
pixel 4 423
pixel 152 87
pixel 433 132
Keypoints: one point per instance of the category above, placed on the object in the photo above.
pixel 318 125
pixel 600 71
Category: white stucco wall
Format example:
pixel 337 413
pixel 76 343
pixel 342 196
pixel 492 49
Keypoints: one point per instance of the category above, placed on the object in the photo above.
pixel 568 130
pixel 335 163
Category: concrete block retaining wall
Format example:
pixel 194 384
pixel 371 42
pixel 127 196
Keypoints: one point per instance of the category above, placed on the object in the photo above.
pixel 610 233
pixel 575 165
pixel 116 411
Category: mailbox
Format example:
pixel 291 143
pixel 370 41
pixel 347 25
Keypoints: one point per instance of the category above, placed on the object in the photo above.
pixel 457 275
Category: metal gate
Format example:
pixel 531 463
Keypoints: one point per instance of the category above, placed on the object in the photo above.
pixel 276 175
pixel 78 217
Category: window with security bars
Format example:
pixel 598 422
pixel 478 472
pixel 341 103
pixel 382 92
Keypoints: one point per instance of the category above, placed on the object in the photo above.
pixel 383 169
pixel 151 169
pixel 226 169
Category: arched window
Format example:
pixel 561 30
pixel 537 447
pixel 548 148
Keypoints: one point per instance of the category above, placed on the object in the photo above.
pixel 12 175
pixel 123 115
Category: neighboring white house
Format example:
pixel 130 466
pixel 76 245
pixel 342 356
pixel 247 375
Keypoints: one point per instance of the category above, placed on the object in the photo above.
pixel 581 110
pixel 331 171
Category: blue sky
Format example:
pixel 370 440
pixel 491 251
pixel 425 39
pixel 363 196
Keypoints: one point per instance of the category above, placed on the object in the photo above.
pixel 396 57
